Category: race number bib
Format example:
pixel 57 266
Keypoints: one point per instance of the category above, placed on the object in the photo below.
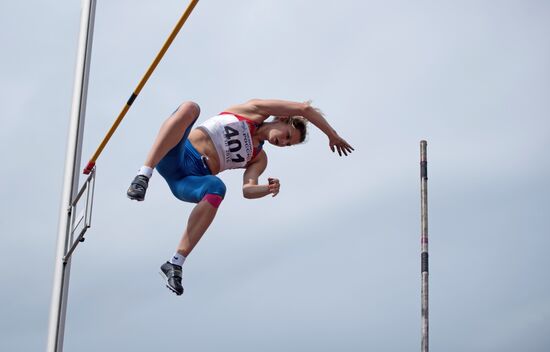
pixel 232 138
pixel 237 144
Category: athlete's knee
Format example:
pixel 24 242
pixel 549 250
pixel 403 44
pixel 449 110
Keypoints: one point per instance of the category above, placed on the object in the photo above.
pixel 185 114
pixel 213 185
pixel 191 108
pixel 213 190
pixel 214 199
pixel 183 117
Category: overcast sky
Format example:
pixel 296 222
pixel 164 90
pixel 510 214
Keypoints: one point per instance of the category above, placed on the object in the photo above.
pixel 333 262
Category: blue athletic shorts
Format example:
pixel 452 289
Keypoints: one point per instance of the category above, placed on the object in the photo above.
pixel 187 175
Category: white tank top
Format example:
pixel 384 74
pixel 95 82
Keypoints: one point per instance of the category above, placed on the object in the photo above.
pixel 232 137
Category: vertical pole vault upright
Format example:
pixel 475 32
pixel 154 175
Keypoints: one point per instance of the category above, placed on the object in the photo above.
pixel 60 288
pixel 424 243
pixel 71 195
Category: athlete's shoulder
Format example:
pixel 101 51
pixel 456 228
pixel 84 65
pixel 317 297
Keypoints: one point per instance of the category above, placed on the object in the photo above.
pixel 261 156
pixel 259 160
pixel 250 109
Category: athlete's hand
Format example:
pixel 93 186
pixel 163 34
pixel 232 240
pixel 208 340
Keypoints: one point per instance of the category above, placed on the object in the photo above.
pixel 273 186
pixel 338 143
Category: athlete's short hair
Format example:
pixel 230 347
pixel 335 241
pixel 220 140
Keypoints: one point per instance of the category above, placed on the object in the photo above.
pixel 299 123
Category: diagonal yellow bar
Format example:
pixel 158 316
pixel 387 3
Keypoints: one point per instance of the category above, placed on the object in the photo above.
pixel 173 34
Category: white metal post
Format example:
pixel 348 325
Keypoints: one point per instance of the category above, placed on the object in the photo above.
pixel 70 185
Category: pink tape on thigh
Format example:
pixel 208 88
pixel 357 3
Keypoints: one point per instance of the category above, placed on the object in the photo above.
pixel 214 199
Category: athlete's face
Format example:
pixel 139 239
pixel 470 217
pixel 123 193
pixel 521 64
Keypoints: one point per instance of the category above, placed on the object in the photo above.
pixel 282 134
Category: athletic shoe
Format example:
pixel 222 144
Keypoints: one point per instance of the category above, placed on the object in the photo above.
pixel 137 188
pixel 173 274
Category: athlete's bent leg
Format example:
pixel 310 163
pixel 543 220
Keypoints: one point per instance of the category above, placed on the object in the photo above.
pixel 171 131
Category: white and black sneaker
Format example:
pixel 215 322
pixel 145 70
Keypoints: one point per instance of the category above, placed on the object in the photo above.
pixel 137 188
pixel 173 275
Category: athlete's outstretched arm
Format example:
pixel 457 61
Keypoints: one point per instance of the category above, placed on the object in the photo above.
pixel 261 109
pixel 251 188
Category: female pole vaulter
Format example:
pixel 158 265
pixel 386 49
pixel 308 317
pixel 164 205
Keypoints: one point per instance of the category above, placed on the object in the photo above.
pixel 189 159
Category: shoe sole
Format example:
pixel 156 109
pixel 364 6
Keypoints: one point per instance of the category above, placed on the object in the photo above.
pixel 165 278
pixel 135 198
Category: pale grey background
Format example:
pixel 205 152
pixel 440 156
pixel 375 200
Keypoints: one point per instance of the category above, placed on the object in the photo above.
pixel 332 263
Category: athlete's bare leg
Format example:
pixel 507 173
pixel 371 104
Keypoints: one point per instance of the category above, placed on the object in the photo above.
pixel 201 217
pixel 171 132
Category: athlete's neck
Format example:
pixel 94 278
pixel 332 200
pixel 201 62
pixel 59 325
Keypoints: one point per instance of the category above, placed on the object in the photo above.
pixel 262 132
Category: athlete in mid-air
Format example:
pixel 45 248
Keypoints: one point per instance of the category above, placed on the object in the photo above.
pixel 189 159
